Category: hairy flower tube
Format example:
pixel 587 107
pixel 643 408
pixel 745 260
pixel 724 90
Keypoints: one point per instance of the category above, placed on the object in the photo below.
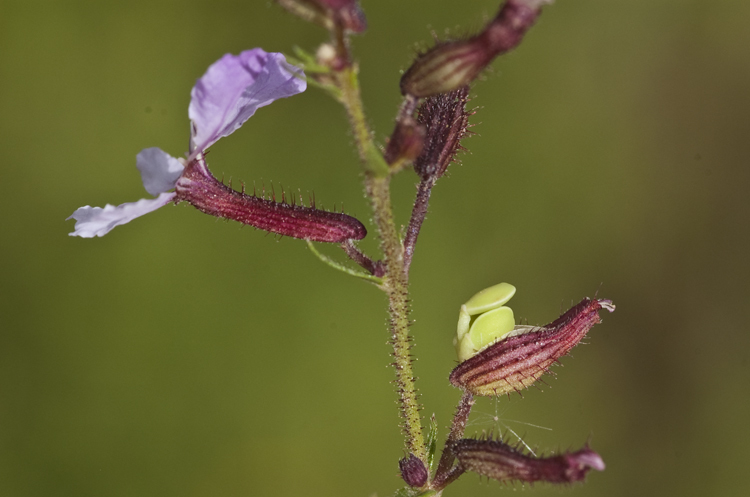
pixel 525 354
pixel 226 96
pixel 497 460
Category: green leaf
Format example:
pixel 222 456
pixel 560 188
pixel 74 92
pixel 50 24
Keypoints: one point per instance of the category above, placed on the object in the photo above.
pixel 341 267
pixel 431 443
pixel 405 492
pixel 413 492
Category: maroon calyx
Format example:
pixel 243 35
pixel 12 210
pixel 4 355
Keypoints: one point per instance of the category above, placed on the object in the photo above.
pixel 497 460
pixel 413 471
pixel 516 362
pixel 198 187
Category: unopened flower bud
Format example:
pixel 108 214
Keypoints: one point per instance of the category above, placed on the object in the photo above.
pixel 407 141
pixel 451 65
pixel 499 461
pixel 413 471
pixel 348 12
pixel 521 357
pixel 446 120
pixel 309 10
pixel 446 67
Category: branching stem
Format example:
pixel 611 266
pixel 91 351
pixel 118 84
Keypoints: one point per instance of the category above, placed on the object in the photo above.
pixel 446 473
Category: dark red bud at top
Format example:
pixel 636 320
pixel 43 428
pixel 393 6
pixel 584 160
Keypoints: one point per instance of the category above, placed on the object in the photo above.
pixel 413 471
pixel 309 10
pixel 499 461
pixel 329 13
pixel 198 187
pixel 348 13
pixel 451 65
pixel 446 120
pixel 516 362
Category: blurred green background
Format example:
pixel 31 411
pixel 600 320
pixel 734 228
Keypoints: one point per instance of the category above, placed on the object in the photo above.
pixel 181 356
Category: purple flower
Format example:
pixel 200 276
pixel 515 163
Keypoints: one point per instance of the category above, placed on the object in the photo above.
pixel 224 98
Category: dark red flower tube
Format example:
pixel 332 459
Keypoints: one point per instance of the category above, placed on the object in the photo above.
pixel 198 187
pixel 497 460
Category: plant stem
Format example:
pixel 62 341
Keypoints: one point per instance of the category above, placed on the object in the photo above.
pixel 372 159
pixel 421 203
pixel 446 473
pixel 375 268
pixel 395 282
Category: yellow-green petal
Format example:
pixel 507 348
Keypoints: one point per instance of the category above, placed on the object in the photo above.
pixel 490 298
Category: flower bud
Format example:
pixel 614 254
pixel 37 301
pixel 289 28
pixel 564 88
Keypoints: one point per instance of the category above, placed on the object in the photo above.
pixel 413 471
pixel 309 10
pixel 407 141
pixel 446 119
pixel 348 13
pixel 519 359
pixel 329 13
pixel 499 461
pixel 451 65
pixel 446 67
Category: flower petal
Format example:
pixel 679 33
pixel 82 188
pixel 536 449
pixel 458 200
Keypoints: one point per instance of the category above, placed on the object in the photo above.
pixel 234 87
pixel 159 170
pixel 95 221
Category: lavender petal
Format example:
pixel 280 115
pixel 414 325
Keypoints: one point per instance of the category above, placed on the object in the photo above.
pixel 159 170
pixel 97 221
pixel 234 87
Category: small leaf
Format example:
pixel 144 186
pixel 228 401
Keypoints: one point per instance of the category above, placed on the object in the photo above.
pixel 405 492
pixel 413 492
pixel 431 442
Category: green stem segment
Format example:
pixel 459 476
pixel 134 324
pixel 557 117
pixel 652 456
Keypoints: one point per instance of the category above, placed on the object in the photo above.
pixel 395 281
pixel 373 160
pixel 395 284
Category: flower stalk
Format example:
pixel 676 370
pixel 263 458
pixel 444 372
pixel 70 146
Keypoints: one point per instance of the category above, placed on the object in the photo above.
pixel 446 472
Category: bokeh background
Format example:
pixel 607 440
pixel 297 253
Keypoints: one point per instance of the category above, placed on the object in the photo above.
pixel 184 356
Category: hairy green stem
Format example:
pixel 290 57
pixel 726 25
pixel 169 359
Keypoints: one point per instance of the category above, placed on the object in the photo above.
pixel 395 284
pixel 372 159
pixel 395 281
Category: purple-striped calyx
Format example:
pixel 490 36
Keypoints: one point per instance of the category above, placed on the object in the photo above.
pixel 497 460
pixel 522 356
pixel 454 64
